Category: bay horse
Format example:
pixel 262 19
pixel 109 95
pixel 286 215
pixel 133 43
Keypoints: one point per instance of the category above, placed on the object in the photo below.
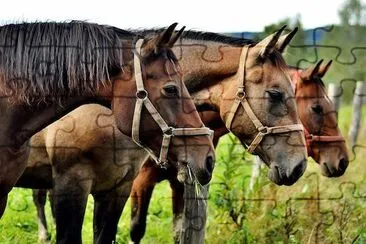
pixel 325 143
pixel 209 80
pixel 49 69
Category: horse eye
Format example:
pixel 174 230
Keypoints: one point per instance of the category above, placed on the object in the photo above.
pixel 317 109
pixel 171 90
pixel 275 95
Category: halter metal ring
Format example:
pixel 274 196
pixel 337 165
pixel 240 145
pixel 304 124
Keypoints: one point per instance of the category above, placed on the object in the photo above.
pixel 142 94
pixel 240 93
pixel 310 137
pixel 264 130
pixel 169 131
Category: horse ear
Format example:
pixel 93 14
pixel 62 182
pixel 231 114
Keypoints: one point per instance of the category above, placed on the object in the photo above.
pixel 285 40
pixel 324 68
pixel 311 72
pixel 175 37
pixel 268 44
pixel 164 38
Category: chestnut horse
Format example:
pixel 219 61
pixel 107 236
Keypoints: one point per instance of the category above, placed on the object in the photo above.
pixel 49 69
pixel 209 81
pixel 325 143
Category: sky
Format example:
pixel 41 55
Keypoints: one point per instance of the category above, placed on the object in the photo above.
pixel 215 16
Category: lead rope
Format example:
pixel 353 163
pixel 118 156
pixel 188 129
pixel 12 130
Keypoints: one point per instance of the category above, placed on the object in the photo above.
pixel 241 98
pixel 142 99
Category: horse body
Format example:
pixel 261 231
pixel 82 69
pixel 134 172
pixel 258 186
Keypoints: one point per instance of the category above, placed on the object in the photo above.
pixel 92 149
pixel 87 157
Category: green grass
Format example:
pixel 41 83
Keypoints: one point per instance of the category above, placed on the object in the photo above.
pixel 19 223
pixel 231 218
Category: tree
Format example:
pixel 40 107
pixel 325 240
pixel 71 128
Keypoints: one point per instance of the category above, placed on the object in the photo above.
pixel 352 13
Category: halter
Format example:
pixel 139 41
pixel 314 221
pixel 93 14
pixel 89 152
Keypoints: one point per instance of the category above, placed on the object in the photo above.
pixel 241 98
pixel 142 99
pixel 311 138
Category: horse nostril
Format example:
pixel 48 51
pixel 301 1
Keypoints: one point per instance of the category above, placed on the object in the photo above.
pixel 299 169
pixel 343 164
pixel 210 163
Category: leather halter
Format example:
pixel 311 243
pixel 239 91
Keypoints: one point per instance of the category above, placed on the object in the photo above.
pixel 241 98
pixel 142 99
pixel 311 138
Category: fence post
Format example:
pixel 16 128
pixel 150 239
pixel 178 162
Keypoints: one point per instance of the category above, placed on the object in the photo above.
pixel 356 111
pixel 256 168
pixel 334 93
pixel 194 215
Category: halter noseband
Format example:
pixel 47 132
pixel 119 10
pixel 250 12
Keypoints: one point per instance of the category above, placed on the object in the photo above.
pixel 142 99
pixel 311 138
pixel 241 98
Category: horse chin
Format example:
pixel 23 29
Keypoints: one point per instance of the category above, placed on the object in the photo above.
pixel 278 176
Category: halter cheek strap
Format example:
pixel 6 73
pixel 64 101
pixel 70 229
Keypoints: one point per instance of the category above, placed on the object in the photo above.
pixel 142 99
pixel 241 99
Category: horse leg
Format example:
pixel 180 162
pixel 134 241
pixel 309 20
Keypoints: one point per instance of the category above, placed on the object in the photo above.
pixel 178 206
pixel 39 199
pixel 141 192
pixel 52 204
pixel 3 201
pixel 70 198
pixel 108 208
pixel 12 165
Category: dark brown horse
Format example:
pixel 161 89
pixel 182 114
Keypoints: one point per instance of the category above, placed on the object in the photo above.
pixel 49 69
pixel 325 144
pixel 209 80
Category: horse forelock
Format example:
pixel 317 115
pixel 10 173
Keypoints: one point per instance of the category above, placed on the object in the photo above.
pixel 39 60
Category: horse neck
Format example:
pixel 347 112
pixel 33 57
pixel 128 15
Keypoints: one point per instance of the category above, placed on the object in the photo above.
pixel 205 65
pixel 21 121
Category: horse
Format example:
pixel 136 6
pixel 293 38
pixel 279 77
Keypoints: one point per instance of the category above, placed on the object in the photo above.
pixel 325 143
pixel 194 67
pixel 48 69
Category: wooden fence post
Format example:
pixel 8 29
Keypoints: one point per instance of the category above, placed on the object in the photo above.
pixel 356 111
pixel 256 168
pixel 194 215
pixel 334 93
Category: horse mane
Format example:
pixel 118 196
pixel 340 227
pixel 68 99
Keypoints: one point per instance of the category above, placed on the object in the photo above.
pixel 201 35
pixel 48 59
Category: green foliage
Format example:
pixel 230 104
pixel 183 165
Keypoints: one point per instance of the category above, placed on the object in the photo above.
pixel 228 190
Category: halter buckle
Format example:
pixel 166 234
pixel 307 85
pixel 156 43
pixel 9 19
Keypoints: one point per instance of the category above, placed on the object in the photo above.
pixel 142 94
